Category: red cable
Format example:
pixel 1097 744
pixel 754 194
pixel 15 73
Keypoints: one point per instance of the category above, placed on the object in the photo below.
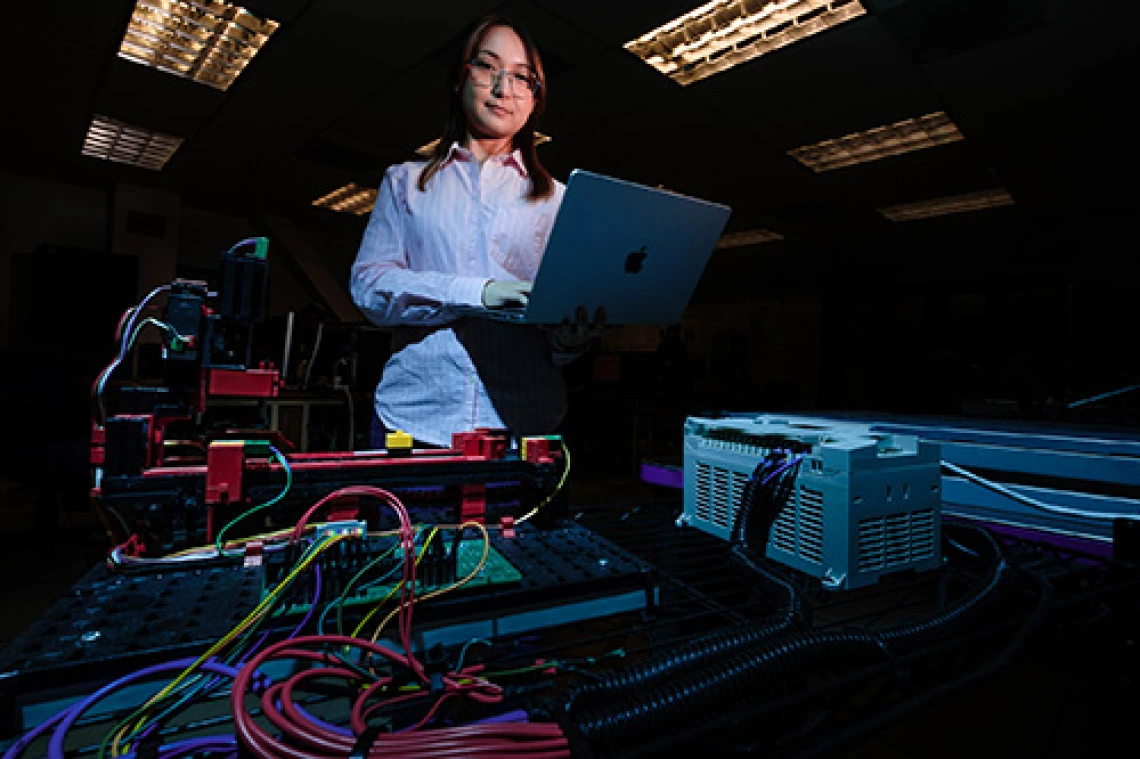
pixel 513 739
pixel 407 539
pixel 363 490
pixel 359 714
pixel 292 722
pixel 252 734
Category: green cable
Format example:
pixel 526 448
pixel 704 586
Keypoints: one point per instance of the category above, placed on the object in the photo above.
pixel 339 601
pixel 276 499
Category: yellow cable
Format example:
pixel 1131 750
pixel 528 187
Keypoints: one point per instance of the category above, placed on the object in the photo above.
pixel 252 617
pixel 210 552
pixel 557 488
pixel 436 593
pixel 396 586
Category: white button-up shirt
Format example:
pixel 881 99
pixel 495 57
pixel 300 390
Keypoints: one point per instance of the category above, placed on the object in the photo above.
pixel 424 252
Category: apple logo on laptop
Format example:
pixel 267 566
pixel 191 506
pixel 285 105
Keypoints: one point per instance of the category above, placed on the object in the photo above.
pixel 634 260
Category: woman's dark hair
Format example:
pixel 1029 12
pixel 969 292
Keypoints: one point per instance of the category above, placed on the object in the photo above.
pixel 541 183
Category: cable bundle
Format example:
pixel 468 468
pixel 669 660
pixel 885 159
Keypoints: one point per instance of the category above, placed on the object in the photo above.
pixel 740 675
pixel 302 736
pixel 126 332
pixel 767 491
pixel 379 682
pixel 765 494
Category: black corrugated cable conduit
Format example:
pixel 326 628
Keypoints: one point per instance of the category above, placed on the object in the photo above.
pixel 692 655
pixel 913 637
pixel 748 674
pixel 741 679
pixel 712 647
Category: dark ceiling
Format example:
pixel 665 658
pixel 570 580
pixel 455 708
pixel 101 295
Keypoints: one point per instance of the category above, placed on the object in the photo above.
pixel 1041 89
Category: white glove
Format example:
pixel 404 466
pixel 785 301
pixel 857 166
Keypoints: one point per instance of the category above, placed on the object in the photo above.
pixel 497 294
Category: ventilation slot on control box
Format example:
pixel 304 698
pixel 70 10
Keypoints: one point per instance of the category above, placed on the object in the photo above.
pixel 896 539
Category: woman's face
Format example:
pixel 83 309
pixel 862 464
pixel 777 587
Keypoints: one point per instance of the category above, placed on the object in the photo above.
pixel 500 108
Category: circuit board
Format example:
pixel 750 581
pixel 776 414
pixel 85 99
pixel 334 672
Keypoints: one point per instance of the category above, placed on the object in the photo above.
pixel 114 622
pixel 368 571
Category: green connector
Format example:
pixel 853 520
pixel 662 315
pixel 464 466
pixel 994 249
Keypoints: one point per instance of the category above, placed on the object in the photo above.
pixel 261 249
pixel 256 448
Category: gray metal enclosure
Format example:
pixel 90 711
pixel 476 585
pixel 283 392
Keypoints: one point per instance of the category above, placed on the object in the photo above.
pixel 864 503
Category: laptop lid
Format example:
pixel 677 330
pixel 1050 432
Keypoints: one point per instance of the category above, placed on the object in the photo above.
pixel 634 250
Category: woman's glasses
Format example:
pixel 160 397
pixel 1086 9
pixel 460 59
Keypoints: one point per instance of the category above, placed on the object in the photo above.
pixel 518 84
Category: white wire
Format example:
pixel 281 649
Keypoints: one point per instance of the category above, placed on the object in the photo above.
pixel 288 346
pixel 1033 502
pixel 313 355
pixel 127 344
pixel 138 310
pixel 126 337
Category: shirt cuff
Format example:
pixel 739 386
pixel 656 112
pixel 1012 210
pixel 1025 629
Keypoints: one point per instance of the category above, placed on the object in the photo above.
pixel 467 291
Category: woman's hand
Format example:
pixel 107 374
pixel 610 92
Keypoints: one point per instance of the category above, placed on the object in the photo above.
pixel 498 294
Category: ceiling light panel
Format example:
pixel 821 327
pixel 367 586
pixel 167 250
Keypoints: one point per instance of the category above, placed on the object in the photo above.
pixel 351 198
pixel 725 33
pixel 209 42
pixel 748 237
pixel 894 139
pixel 974 201
pixel 116 141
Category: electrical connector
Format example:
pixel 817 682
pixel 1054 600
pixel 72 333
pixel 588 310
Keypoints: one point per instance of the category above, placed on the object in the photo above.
pixel 349 528
pixel 540 449
pixel 254 555
pixel 258 448
pixel 435 667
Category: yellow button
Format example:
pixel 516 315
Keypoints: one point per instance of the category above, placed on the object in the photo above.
pixel 398 440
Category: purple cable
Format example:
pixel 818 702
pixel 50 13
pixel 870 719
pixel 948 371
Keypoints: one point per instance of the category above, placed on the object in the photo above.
pixel 64 720
pixel 321 723
pixel 311 717
pixel 212 743
pixel 246 241
pixel 518 715
pixel 313 605
pixel 18 748
pixel 265 636
pixel 782 468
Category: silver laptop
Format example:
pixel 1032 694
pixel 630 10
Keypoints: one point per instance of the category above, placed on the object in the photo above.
pixel 636 251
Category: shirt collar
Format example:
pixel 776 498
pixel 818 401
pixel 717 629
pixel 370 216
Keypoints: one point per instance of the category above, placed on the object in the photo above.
pixel 459 153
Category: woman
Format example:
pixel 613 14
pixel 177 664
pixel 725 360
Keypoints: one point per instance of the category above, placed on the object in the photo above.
pixel 467 228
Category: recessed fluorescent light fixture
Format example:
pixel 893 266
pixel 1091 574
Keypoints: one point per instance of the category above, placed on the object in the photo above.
pixel 427 150
pixel 204 40
pixel 352 198
pixel 747 237
pixel 894 139
pixel 116 141
pixel 973 201
pixel 725 33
